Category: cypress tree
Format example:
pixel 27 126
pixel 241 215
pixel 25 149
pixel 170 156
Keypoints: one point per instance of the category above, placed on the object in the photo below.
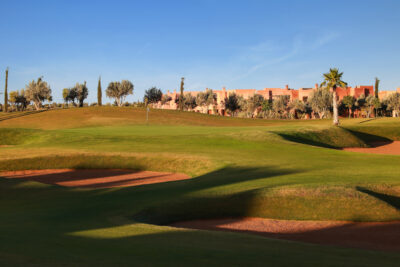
pixel 377 87
pixel 6 93
pixel 99 93
pixel 181 95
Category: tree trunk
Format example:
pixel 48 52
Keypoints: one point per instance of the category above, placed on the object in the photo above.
pixel 335 108
pixel 36 105
pixel 349 113
pixel 6 93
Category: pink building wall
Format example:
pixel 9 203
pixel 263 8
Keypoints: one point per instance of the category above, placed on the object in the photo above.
pixel 302 94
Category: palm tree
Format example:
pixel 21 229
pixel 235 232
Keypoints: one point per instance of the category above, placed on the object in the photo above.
pixel 332 80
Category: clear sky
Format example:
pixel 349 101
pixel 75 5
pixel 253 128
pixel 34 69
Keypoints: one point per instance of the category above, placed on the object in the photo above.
pixel 237 44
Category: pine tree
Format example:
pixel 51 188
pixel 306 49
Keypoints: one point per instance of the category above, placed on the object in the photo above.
pixel 6 93
pixel 181 95
pixel 377 87
pixel 99 93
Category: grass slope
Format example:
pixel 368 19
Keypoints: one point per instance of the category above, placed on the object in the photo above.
pixel 245 168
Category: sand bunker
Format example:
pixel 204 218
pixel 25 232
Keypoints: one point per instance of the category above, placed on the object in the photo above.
pixel 366 235
pixel 95 178
pixel 392 148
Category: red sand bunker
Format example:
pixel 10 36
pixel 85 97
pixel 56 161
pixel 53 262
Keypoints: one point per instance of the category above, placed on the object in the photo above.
pixel 392 148
pixel 95 178
pixel 366 235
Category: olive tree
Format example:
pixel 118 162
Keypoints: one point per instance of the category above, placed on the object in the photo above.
pixel 253 103
pixel 165 99
pixel 153 95
pixel 37 92
pixel 280 106
pixel 266 108
pixel 321 101
pixel 296 108
pixel 393 104
pixel 189 101
pixel 119 91
pixel 371 102
pixel 81 92
pixel 204 99
pixel 348 101
pixel 232 103
pixel 18 99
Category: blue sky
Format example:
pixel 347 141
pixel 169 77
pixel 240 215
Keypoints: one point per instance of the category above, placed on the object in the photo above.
pixel 237 44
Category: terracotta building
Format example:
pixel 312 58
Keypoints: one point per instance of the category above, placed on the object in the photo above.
pixel 302 94
pixel 385 94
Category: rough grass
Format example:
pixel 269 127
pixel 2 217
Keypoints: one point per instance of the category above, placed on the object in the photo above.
pixel 246 168
pixel 17 136
pixel 103 116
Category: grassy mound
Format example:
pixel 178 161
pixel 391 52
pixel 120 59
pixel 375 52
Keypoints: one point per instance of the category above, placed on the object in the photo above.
pixel 333 137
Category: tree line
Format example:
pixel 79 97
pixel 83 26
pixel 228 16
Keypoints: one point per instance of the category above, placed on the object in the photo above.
pixel 321 104
pixel 38 91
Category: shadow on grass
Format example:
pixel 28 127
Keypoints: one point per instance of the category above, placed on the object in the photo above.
pixel 229 204
pixel 160 203
pixel 328 138
pixel 370 139
pixel 304 139
pixel 72 162
pixel 393 201
pixel 47 225
pixel 367 120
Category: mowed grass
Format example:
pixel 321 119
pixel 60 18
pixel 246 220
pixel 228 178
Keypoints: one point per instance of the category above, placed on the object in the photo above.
pixel 240 167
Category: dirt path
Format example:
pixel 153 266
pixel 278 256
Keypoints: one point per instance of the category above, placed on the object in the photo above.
pixel 392 148
pixel 367 235
pixel 95 178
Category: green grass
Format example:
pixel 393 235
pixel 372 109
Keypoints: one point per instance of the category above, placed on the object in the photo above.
pixel 240 167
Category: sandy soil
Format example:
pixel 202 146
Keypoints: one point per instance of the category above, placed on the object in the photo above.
pixel 366 235
pixel 95 178
pixel 392 148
